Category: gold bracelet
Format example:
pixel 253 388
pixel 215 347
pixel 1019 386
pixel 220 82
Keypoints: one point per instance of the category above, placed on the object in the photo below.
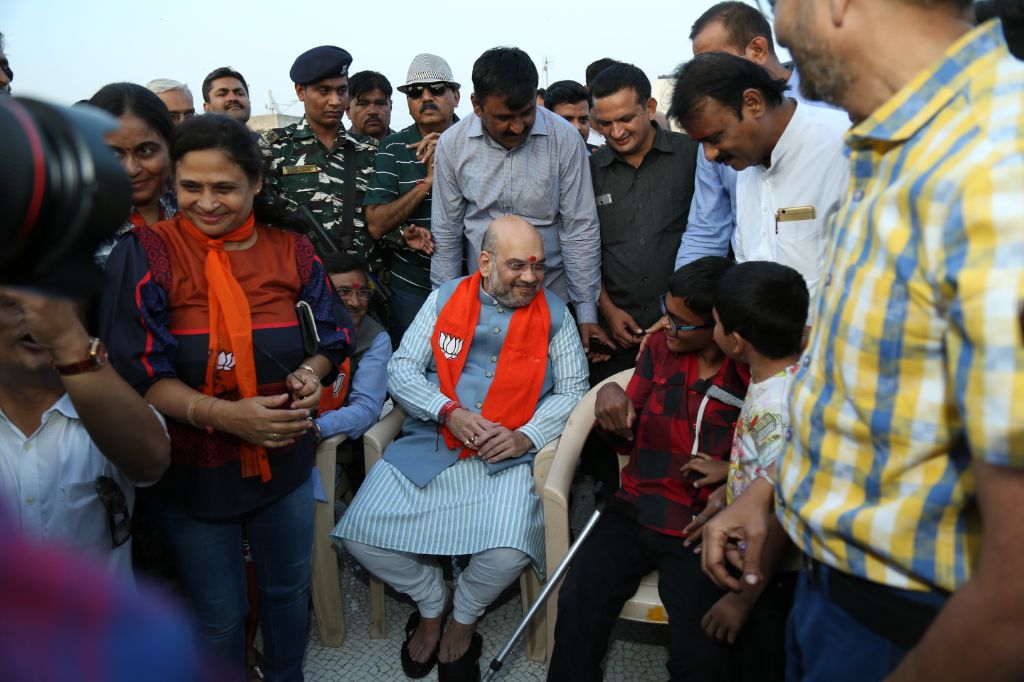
pixel 316 377
pixel 190 415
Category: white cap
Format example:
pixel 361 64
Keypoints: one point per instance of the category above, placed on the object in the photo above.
pixel 428 68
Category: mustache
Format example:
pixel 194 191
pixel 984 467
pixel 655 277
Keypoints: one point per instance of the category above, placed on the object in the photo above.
pixel 374 117
pixel 428 106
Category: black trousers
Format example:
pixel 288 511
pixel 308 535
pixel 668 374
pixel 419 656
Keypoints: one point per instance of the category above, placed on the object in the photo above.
pixel 605 573
pixel 759 654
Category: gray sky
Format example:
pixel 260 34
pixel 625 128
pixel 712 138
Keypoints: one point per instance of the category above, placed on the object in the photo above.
pixel 64 51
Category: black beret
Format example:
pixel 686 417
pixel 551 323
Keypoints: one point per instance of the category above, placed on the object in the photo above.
pixel 326 61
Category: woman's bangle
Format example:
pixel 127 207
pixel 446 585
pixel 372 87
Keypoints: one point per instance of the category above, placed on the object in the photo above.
pixel 191 413
pixel 209 416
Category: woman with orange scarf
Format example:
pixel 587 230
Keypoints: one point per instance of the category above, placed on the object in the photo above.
pixel 201 318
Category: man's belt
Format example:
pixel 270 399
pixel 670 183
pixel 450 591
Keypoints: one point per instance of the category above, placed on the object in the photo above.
pixel 888 611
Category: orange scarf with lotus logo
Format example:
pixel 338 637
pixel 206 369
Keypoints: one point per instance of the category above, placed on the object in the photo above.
pixel 229 311
pixel 522 362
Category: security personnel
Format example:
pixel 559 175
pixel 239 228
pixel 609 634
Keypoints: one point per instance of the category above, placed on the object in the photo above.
pixel 317 163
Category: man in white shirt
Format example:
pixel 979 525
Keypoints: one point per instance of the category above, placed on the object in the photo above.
pixel 793 172
pixel 74 437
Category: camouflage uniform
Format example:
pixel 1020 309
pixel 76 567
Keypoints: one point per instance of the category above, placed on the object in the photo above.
pixel 304 172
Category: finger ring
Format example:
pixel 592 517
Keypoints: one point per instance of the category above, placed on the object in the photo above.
pixel 473 439
pixel 275 436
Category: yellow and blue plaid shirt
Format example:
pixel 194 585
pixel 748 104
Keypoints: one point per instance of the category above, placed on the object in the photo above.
pixel 915 366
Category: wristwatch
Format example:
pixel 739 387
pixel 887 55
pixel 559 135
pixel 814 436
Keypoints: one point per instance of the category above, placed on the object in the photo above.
pixel 96 359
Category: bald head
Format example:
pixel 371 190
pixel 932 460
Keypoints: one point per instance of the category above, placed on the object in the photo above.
pixel 511 261
pixel 508 229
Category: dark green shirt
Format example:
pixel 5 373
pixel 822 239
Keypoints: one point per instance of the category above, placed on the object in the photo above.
pixel 643 213
pixel 303 171
pixel 395 172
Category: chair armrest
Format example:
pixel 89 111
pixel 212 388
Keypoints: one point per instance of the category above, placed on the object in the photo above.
pixel 555 492
pixel 380 436
pixel 330 445
pixel 542 464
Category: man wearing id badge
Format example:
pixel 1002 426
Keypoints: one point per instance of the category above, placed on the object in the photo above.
pixel 793 173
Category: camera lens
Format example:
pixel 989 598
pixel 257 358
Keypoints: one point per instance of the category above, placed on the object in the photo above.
pixel 62 192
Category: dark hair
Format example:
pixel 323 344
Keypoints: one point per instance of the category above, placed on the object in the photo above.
pixel 1012 15
pixel 217 131
pixel 119 99
pixel 619 76
pixel 695 283
pixel 340 261
pixel 597 67
pixel 368 81
pixel 222 72
pixel 766 303
pixel 225 134
pixel 724 78
pixel 541 92
pixel 507 72
pixel 742 22
pixel 565 92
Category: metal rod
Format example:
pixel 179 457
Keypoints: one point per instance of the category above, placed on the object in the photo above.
pixel 549 587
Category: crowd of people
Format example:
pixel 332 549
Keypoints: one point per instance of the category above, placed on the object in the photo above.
pixel 817 291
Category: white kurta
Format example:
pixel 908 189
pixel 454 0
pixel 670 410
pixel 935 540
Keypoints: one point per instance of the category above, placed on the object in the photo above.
pixel 466 507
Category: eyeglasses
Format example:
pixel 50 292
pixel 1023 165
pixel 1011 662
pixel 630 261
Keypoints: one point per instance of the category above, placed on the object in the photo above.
pixel 119 519
pixel 416 91
pixel 677 324
pixel 362 294
pixel 538 267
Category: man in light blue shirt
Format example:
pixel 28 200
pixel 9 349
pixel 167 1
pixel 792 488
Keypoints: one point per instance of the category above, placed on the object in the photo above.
pixel 741 30
pixel 512 158
pixel 360 395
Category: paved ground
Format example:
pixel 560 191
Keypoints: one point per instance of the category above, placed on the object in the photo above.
pixel 637 653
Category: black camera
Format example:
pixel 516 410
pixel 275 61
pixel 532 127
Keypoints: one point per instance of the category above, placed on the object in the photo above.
pixel 62 192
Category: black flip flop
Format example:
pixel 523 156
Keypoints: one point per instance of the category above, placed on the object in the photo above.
pixel 411 668
pixel 466 668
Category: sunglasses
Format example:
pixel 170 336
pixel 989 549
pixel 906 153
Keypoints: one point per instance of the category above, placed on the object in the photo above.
pixel 119 519
pixel 677 324
pixel 416 91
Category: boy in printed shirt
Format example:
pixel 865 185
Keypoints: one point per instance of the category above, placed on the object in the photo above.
pixel 760 312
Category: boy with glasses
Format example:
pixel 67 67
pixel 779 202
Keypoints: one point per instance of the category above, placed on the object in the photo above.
pixel 681 405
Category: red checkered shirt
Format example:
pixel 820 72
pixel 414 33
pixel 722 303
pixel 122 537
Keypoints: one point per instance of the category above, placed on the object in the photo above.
pixel 667 393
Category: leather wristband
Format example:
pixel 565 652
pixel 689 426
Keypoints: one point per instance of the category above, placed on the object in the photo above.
pixel 97 357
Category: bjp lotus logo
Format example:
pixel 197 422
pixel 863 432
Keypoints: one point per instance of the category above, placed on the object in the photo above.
pixel 225 361
pixel 451 346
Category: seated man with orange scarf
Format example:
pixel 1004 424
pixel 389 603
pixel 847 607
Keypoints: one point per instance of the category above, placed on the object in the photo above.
pixel 488 373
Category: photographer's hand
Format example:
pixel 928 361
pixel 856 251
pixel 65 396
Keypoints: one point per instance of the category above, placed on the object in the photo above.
pixel 107 406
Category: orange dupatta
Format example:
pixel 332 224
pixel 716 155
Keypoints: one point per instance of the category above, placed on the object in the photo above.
pixel 522 362
pixel 229 308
